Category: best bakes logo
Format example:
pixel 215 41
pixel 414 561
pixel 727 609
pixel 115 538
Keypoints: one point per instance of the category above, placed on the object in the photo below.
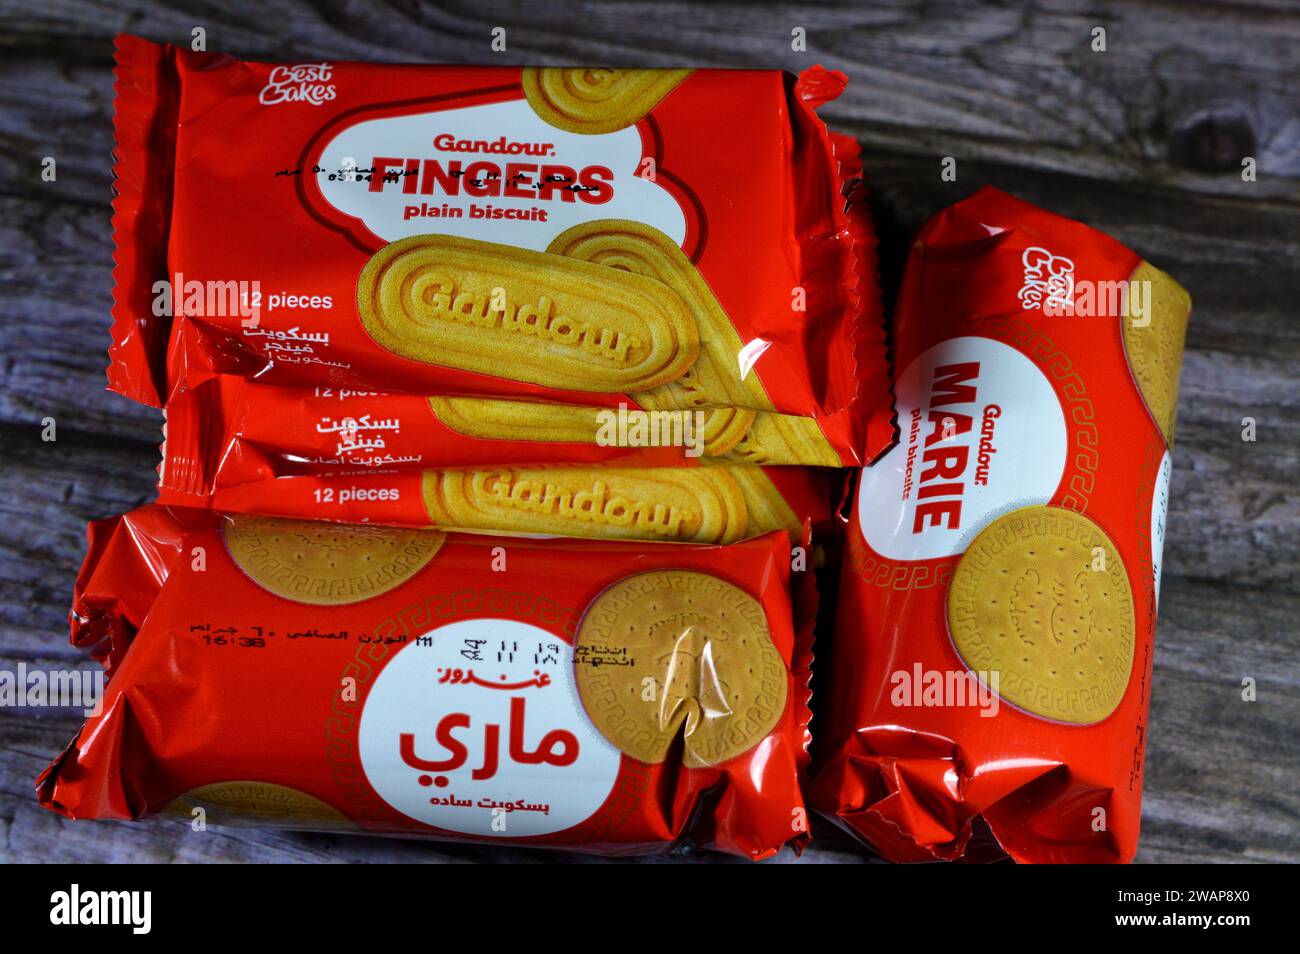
pixel 1049 280
pixel 306 83
pixel 1050 286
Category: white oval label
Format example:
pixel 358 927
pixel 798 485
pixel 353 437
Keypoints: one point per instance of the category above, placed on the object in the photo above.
pixel 982 433
pixel 1159 506
pixel 476 727
pixel 455 172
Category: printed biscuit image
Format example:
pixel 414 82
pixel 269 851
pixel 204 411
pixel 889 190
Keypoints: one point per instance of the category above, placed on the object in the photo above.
pixel 1154 345
pixel 498 419
pixel 638 249
pixel 676 653
pixel 1041 598
pixel 784 439
pixel 724 428
pixel 691 504
pixel 326 564
pixel 257 804
pixel 715 379
pixel 524 315
pixel 594 100
pixel 765 505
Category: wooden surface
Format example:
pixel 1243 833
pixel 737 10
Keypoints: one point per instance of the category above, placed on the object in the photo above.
pixel 1144 141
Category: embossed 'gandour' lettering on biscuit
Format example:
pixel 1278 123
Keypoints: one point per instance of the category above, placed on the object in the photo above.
pixel 703 644
pixel 326 564
pixel 701 504
pixel 523 315
pixel 595 100
pixel 1041 597
pixel 1154 345
pixel 716 378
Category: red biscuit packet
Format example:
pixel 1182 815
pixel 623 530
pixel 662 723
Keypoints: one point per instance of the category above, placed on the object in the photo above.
pixel 414 683
pixel 269 469
pixel 997 610
pixel 229 428
pixel 251 197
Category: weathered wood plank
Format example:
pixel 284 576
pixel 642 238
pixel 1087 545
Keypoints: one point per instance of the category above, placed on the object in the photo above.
pixel 1182 93
pixel 56 266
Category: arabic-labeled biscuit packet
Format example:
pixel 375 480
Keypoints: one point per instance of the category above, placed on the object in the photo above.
pixel 610 697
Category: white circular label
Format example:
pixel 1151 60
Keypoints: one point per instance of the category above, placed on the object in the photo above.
pixel 981 433
pixel 476 727
pixel 1159 506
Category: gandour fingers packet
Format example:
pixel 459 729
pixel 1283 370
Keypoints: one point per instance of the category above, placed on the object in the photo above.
pixel 676 241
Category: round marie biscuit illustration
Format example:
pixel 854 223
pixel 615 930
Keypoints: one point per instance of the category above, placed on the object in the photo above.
pixel 677 653
pixel 327 564
pixel 1027 604
pixel 263 804
pixel 592 100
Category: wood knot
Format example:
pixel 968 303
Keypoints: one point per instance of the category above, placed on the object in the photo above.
pixel 1213 140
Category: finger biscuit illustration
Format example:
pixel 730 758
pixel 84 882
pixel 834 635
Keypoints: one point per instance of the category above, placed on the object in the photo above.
pixel 327 564
pixel 696 504
pixel 715 379
pixel 785 439
pixel 524 315
pixel 764 503
pixel 595 100
pixel 724 428
pixel 1154 343
pixel 496 419
pixel 670 654
pixel 263 804
pixel 1041 598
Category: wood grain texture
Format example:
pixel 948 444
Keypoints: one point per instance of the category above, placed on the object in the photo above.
pixel 1144 142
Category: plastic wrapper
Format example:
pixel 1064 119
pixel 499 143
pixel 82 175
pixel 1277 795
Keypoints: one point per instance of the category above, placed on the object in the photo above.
pixel 996 616
pixel 674 240
pixel 721 503
pixel 595 695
